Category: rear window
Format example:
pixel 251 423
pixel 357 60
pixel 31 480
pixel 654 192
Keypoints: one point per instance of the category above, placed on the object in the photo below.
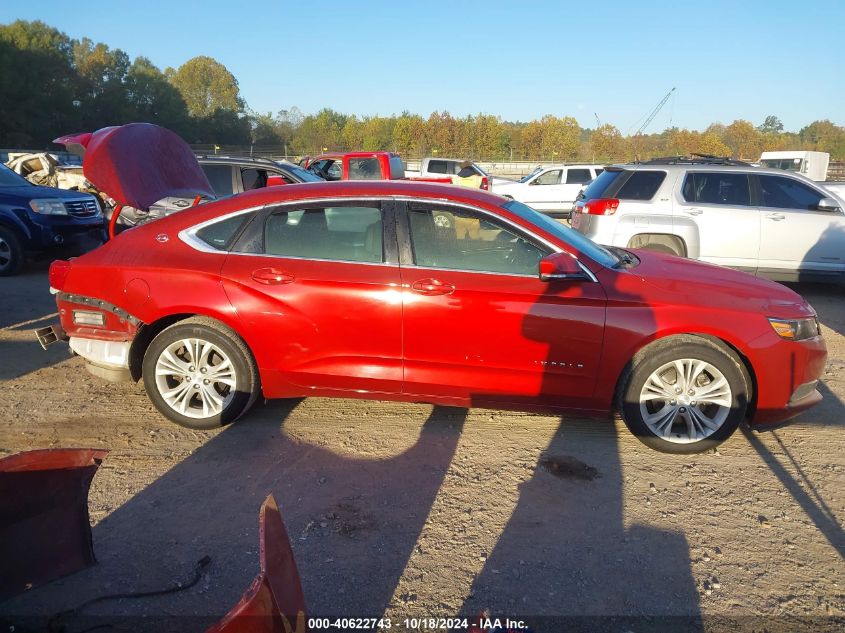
pixel 438 167
pixel 578 176
pixel 625 184
pixel 364 169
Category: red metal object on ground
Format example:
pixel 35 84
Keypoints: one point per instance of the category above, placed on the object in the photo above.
pixel 274 602
pixel 44 528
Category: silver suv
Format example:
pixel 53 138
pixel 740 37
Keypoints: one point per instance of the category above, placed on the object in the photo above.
pixel 763 221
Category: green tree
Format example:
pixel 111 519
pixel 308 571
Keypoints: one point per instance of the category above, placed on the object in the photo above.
pixel 101 90
pixel 207 86
pixel 153 99
pixel 743 139
pixel 607 144
pixel 771 125
pixel 37 84
pixel 409 134
pixel 824 136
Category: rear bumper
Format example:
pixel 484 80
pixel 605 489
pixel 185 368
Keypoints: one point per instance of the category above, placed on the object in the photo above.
pixel 106 359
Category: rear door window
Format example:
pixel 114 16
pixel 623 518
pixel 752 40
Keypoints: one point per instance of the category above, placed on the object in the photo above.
pixel 712 187
pixel 352 234
pixel 788 193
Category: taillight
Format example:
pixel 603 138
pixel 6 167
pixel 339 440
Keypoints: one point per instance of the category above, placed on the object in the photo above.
pixel 59 270
pixel 600 206
pixel 485 184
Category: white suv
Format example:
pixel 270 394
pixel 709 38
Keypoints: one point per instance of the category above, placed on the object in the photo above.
pixel 550 189
pixel 763 221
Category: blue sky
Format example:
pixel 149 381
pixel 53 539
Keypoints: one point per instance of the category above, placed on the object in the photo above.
pixel 728 60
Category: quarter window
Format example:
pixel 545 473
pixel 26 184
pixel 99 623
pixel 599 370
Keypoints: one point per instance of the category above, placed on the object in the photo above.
pixel 221 235
pixel 717 188
pixel 577 176
pixel 332 233
pixel 551 177
pixel 457 239
pixel 364 169
pixel 788 193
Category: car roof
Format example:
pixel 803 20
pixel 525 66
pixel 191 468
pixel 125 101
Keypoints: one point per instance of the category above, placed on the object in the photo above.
pixel 348 189
pixel 708 167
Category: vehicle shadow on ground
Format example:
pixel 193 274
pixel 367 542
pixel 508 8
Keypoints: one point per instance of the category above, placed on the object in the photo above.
pixel 353 522
pixel 566 559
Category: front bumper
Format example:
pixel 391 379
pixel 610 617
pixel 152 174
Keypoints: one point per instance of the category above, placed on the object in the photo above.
pixel 787 375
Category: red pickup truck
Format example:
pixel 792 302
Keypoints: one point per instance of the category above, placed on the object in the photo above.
pixel 362 166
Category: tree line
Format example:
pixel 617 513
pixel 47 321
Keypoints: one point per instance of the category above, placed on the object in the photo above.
pixel 51 84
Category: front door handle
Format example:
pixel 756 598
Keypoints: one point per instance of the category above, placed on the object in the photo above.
pixel 777 217
pixel 272 276
pixel 432 287
pixel 693 211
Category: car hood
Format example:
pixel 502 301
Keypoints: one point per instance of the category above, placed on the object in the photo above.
pixel 698 283
pixel 25 193
pixel 138 164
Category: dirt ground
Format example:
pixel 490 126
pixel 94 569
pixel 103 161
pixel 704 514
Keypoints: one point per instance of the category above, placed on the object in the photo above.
pixel 411 510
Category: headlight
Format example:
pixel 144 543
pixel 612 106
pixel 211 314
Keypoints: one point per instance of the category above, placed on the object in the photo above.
pixel 796 329
pixel 48 206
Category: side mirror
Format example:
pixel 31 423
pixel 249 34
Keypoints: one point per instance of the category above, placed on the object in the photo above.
pixel 559 266
pixel 829 204
pixel 274 180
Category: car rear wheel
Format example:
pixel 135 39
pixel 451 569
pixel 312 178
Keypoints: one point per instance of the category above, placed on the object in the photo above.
pixel 685 396
pixel 200 374
pixel 11 252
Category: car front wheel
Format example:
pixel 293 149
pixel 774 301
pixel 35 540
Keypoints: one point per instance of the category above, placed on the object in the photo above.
pixel 11 252
pixel 200 374
pixel 685 396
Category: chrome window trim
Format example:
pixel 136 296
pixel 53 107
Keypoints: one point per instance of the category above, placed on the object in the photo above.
pixel 188 235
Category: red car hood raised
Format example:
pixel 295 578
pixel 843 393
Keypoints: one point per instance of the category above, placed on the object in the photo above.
pixel 138 164
pixel 700 283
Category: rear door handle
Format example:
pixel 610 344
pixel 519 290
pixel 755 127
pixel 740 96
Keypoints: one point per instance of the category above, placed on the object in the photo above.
pixel 693 211
pixel 777 217
pixel 432 287
pixel 272 276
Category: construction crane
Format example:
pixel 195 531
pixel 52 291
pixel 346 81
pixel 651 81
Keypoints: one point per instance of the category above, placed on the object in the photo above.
pixel 654 112
pixel 598 120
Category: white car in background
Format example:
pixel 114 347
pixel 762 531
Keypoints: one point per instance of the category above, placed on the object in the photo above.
pixel 551 189
pixel 767 222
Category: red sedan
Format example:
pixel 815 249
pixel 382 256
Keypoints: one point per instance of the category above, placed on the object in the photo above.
pixel 360 290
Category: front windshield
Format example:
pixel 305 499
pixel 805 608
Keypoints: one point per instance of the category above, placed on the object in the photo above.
pixel 575 239
pixel 8 178
pixel 533 173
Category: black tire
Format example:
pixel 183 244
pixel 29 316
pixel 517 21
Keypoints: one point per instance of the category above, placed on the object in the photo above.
pixel 225 344
pixel 11 252
pixel 652 360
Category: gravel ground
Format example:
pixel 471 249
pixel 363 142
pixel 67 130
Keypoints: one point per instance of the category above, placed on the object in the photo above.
pixel 410 510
